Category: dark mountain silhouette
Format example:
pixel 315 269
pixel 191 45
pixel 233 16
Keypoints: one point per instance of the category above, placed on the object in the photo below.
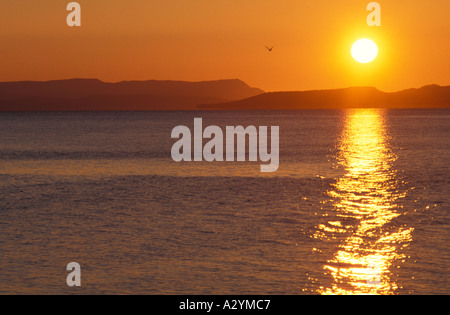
pixel 432 96
pixel 95 95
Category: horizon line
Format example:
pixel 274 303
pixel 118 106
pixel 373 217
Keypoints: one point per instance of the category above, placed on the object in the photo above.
pixel 218 80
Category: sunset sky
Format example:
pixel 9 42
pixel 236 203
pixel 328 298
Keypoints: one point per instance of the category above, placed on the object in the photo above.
pixel 198 40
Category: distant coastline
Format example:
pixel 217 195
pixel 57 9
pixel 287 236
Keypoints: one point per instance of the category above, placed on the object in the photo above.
pixel 432 96
pixel 95 95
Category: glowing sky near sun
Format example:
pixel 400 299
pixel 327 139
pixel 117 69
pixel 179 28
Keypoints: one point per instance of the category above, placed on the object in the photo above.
pixel 203 40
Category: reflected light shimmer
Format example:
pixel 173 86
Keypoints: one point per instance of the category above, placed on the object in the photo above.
pixel 365 201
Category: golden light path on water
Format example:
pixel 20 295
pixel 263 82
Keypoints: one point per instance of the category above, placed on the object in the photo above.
pixel 365 203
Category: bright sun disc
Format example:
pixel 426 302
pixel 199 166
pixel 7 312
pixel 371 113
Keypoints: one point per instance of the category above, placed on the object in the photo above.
pixel 364 51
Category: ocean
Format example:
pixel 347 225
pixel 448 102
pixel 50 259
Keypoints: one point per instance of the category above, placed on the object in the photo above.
pixel 359 205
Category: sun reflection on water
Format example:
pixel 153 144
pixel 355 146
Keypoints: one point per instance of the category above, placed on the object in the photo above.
pixel 364 204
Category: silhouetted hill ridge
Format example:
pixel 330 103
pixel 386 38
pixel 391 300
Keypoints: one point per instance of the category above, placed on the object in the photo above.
pixel 93 94
pixel 430 96
pixel 96 95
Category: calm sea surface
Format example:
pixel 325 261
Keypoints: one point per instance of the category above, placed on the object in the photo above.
pixel 360 204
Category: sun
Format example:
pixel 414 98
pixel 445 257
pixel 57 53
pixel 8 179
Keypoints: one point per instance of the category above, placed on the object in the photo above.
pixel 364 50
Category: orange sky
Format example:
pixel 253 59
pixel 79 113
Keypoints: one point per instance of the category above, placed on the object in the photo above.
pixel 220 39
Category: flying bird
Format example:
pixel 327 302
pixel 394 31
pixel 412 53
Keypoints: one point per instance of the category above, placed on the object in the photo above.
pixel 270 48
